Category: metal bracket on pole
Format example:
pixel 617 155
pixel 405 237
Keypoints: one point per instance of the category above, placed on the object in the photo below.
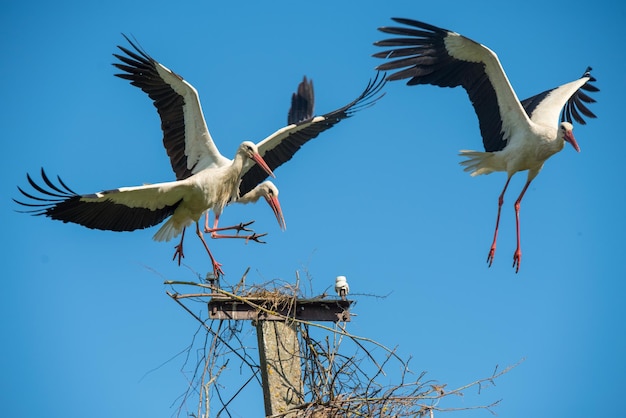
pixel 279 348
pixel 332 310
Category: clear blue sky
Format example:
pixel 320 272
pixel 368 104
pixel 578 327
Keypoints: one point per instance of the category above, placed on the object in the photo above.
pixel 380 199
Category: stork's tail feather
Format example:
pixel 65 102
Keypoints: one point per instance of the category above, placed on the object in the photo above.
pixel 169 230
pixel 477 162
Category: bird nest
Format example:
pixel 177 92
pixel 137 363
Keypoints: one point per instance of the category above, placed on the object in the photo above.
pixel 342 374
pixel 281 298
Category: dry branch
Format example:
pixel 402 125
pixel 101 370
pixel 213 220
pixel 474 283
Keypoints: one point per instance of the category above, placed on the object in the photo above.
pixel 335 384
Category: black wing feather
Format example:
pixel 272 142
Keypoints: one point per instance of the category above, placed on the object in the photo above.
pixel 284 151
pixel 424 59
pixel 62 204
pixel 575 108
pixel 140 69
pixel 575 105
pixel 302 102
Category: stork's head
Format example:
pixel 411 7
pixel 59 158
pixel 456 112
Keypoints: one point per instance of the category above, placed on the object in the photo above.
pixel 270 192
pixel 566 132
pixel 251 151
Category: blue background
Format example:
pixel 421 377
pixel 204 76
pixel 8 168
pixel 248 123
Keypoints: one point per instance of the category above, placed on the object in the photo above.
pixel 87 329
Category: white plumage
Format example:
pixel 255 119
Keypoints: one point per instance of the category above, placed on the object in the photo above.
pixel 269 192
pixel 341 286
pixel 517 136
pixel 188 141
pixel 130 208
pixel 205 178
pixel 186 136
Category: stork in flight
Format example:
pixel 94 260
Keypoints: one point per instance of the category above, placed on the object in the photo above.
pixel 302 105
pixel 193 155
pixel 130 208
pixel 517 136
pixel 185 133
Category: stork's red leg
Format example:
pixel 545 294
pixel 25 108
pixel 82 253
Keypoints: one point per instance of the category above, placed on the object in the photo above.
pixel 241 227
pixel 206 222
pixel 517 256
pixel 217 267
pixel 179 248
pixel 492 251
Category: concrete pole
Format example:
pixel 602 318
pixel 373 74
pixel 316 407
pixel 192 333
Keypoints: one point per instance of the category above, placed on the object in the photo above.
pixel 279 354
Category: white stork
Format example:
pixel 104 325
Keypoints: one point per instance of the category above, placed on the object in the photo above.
pixel 341 286
pixel 130 208
pixel 269 192
pixel 517 136
pixel 302 105
pixel 185 133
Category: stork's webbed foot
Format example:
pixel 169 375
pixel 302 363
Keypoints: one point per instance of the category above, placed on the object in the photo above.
pixel 517 259
pixel 178 253
pixel 255 237
pixel 217 269
pixel 492 254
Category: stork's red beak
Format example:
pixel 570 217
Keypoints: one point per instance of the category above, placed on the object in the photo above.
pixel 569 137
pixel 261 162
pixel 275 205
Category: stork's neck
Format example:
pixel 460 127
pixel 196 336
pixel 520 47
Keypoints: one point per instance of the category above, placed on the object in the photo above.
pixel 557 143
pixel 233 178
pixel 552 143
pixel 238 162
pixel 251 197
